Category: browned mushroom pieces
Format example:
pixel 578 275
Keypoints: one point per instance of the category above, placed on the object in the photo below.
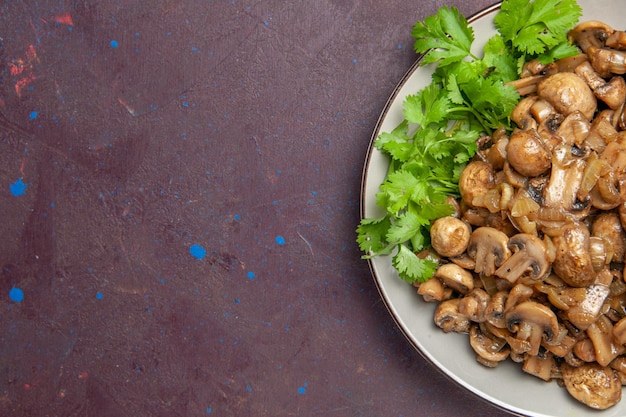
pixel 590 33
pixel 455 277
pixel 593 385
pixel 448 318
pixel 533 320
pixel 616 40
pixel 613 92
pixel 568 93
pixel 528 259
pixel 619 331
pixel 609 227
pixel 494 312
pixel 521 114
pixel 573 262
pixel 528 154
pixel 450 236
pixel 491 349
pixel 476 179
pixel 607 61
pixel 489 248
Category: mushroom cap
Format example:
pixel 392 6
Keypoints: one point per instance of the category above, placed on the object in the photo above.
pixel 568 93
pixel 449 236
pixel 595 386
pixel 573 262
pixel 527 153
pixel 476 179
pixel 590 33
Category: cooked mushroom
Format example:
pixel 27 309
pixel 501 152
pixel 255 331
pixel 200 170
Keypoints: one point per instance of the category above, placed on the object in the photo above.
pixel 568 93
pixel 565 180
pixel 489 248
pixel 450 236
pixel 528 154
pixel 619 331
pixel 476 179
pixel 608 226
pixel 521 114
pixel 494 312
pixel 573 262
pixel 613 93
pixel 588 34
pixel 474 305
pixel 542 366
pixel 434 290
pixel 455 277
pixel 528 259
pixel 586 303
pixel 449 319
pixel 600 333
pixel 533 322
pixel 489 349
pixel 594 385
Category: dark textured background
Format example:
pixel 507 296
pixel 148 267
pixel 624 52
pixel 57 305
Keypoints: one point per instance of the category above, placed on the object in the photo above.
pixel 179 190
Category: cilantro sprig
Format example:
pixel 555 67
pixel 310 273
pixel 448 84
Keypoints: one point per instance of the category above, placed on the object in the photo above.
pixel 467 97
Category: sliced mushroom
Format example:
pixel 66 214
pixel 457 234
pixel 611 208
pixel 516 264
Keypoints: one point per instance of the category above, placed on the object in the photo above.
pixel 474 305
pixel 619 331
pixel 613 93
pixel 450 236
pixel 542 366
pixel 600 333
pixel 586 303
pixel 489 348
pixel 534 322
pixel 590 33
pixel 489 248
pixel 494 313
pixel 528 259
pixel 594 385
pixel 434 290
pixel 455 277
pixel 449 319
pixel 568 93
pixel 573 263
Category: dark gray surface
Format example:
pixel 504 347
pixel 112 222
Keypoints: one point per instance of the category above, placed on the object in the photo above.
pixel 141 129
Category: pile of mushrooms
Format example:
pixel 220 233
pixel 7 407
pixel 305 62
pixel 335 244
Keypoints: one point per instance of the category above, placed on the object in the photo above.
pixel 531 265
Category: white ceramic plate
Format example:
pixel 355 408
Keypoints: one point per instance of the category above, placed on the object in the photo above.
pixel 506 386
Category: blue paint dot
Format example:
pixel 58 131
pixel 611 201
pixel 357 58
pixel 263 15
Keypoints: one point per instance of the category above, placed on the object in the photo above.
pixel 248 388
pixel 99 295
pixel 33 115
pixel 209 410
pixel 301 390
pixel 197 251
pixel 280 240
pixel 114 43
pixel 237 217
pixel 18 188
pixel 250 275
pixel 16 294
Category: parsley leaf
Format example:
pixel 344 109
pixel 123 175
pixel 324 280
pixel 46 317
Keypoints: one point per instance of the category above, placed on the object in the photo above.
pixel 444 37
pixel 534 27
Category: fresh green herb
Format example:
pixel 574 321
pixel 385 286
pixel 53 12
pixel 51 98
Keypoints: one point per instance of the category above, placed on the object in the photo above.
pixel 538 29
pixel 468 97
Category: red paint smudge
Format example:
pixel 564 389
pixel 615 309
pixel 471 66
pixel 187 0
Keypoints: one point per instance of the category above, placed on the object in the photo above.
pixel 22 68
pixel 83 375
pixel 22 166
pixel 27 386
pixel 64 19
pixel 22 83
